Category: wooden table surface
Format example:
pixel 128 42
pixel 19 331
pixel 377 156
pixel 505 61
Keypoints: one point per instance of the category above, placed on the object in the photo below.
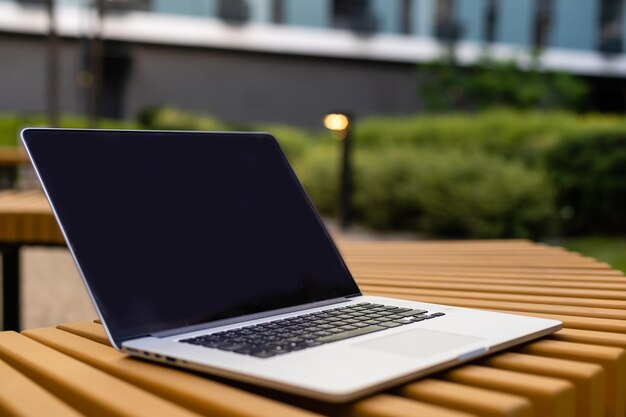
pixel 26 218
pixel 580 371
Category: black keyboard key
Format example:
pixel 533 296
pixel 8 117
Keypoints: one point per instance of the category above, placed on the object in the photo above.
pixel 412 313
pixel 263 354
pixel 352 333
pixel 280 349
pixel 246 350
pixel 335 330
pixel 230 346
pixel 390 324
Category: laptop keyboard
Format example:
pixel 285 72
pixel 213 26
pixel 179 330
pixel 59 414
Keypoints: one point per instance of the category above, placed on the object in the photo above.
pixel 308 330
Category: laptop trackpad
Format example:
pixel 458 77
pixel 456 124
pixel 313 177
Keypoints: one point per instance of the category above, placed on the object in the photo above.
pixel 420 342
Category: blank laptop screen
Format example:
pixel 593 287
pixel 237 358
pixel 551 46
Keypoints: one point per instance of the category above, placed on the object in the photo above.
pixel 176 229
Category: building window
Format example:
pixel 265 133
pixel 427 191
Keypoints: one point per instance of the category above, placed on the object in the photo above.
pixel 233 11
pixel 447 28
pixel 405 16
pixel 543 22
pixel 491 16
pixel 278 11
pixel 353 15
pixel 610 29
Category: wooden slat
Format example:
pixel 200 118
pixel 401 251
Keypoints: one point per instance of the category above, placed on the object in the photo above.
pixel 384 271
pixel 498 296
pixel 618 285
pixel 588 379
pixel 551 397
pixel 520 270
pixel 612 359
pixel 87 329
pixel 391 406
pixel 590 337
pixel 92 392
pixel 480 401
pixel 476 261
pixel 509 289
pixel 21 397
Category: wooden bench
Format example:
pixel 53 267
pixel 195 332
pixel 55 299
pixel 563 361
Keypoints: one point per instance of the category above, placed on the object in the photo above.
pixel 578 372
pixel 25 219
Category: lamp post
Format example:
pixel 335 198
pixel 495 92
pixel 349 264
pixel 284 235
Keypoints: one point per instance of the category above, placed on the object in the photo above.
pixel 53 67
pixel 339 126
pixel 95 64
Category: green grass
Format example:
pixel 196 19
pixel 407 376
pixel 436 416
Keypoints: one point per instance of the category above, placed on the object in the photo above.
pixel 611 250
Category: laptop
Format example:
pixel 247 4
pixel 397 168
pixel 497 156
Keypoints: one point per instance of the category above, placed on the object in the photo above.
pixel 201 250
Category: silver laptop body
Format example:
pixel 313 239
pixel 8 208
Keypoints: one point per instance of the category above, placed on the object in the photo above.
pixel 201 250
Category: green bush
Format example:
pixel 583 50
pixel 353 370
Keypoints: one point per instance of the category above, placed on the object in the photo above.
pixel 318 170
pixel 11 125
pixel 589 172
pixel 445 193
pixel 514 134
pixel 168 118
pixel 293 141
pixel 446 86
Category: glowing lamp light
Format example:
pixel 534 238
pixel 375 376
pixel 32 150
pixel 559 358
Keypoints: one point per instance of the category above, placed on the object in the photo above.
pixel 336 121
pixel 339 126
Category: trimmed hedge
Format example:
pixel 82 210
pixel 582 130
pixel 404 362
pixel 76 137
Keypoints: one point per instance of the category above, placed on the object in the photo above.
pixel 445 193
pixel 589 172
pixel 513 134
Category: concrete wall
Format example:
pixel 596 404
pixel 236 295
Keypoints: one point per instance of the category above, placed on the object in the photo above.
pixel 23 75
pixel 236 86
pixel 264 88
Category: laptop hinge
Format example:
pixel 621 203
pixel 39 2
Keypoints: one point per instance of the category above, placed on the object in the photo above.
pixel 248 317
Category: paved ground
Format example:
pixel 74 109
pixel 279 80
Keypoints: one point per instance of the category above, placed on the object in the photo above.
pixel 54 293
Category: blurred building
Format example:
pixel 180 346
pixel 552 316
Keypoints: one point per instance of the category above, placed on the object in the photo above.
pixel 292 60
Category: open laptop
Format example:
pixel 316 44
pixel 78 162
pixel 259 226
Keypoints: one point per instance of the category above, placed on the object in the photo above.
pixel 201 250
